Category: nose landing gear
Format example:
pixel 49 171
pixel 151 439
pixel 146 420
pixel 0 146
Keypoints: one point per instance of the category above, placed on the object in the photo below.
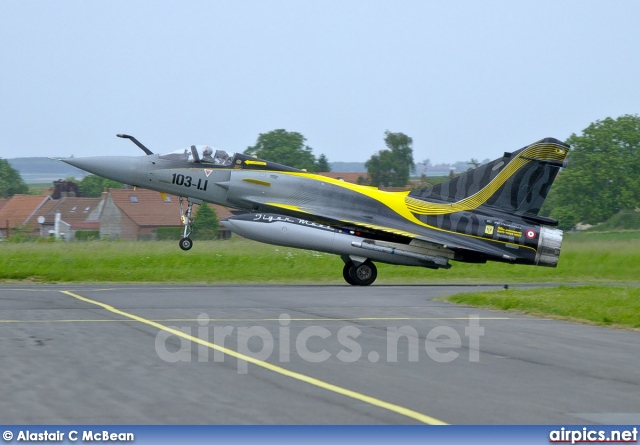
pixel 187 219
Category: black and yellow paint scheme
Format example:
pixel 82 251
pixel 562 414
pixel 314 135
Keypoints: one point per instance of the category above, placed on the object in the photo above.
pixel 489 213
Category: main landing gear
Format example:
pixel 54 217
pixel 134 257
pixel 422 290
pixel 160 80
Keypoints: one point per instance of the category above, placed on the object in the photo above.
pixel 187 219
pixel 360 274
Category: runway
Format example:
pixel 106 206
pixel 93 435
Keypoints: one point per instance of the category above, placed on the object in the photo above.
pixel 153 354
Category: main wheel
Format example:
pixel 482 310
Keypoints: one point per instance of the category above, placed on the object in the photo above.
pixel 346 273
pixel 363 274
pixel 186 243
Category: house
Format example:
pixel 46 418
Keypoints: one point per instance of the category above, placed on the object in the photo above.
pixel 65 216
pixel 43 216
pixel 19 211
pixel 135 214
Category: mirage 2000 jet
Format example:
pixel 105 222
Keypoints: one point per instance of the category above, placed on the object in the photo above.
pixel 489 213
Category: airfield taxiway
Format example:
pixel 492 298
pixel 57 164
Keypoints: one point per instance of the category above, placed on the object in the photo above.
pixel 154 354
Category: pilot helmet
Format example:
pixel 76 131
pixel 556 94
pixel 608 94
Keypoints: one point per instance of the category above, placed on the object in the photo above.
pixel 207 151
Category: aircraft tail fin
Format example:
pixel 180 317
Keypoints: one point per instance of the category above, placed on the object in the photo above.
pixel 517 182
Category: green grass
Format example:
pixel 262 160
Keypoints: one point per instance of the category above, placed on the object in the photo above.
pixel 162 261
pixel 609 306
pixel 586 258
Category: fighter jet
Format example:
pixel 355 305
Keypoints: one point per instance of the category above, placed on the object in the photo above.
pixel 489 213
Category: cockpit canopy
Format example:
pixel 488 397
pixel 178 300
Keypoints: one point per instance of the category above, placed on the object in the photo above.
pixel 201 154
pixel 204 156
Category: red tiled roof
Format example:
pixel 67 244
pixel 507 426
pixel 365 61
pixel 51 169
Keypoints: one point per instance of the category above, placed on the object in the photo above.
pixel 146 207
pixel 72 209
pixel 33 222
pixel 19 209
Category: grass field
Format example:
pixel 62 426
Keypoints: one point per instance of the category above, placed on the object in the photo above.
pixel 586 258
pixel 615 306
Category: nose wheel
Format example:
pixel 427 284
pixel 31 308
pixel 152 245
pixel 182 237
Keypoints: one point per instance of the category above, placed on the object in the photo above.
pixel 362 274
pixel 186 243
pixel 187 220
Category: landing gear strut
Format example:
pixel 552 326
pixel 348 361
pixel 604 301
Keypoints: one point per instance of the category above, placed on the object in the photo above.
pixel 187 219
pixel 362 274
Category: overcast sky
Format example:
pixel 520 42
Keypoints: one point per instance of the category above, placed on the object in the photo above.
pixel 463 78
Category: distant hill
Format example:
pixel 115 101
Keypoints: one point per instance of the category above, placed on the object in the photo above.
pixel 44 170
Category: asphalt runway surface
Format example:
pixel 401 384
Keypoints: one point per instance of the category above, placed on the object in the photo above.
pixel 153 354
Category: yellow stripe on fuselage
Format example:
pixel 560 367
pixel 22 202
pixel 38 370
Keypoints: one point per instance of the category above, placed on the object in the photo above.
pixel 257 181
pixel 394 200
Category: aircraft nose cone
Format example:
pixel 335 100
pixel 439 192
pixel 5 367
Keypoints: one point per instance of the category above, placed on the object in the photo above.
pixel 87 164
pixel 126 169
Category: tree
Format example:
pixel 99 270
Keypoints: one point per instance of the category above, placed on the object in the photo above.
pixel 392 167
pixel 92 186
pixel 284 147
pixel 206 225
pixel 381 169
pixel 11 183
pixel 322 165
pixel 603 173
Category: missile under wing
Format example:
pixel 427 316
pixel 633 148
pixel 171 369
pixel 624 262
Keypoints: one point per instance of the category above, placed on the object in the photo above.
pixel 486 214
